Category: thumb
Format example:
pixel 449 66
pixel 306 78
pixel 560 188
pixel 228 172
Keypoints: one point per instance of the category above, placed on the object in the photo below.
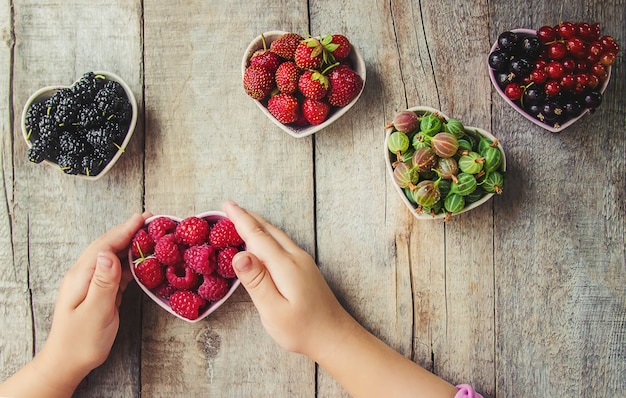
pixel 105 282
pixel 256 279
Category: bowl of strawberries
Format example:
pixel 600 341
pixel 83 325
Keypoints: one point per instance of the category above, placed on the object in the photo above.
pixel 303 84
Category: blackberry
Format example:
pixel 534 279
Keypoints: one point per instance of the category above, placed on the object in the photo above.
pixel 90 116
pixel 105 100
pixel 116 87
pixel 116 131
pixel 48 129
pixel 72 144
pixel 37 152
pixel 99 137
pixel 86 88
pixel 67 111
pixel 70 164
pixel 34 114
pixel 106 153
pixel 92 165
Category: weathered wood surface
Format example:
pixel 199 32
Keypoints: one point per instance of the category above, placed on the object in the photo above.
pixel 525 296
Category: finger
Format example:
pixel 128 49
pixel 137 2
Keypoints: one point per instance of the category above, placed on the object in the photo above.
pixel 105 283
pixel 260 236
pixel 117 238
pixel 75 285
pixel 257 280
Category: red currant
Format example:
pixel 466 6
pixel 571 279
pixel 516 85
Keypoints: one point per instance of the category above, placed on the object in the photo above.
pixel 609 44
pixel 593 81
pixel 596 48
pixel 566 30
pixel 513 91
pixel 582 66
pixel 598 70
pixel 546 34
pixel 577 47
pixel 538 76
pixel 553 88
pixel 595 31
pixel 582 82
pixel 585 31
pixel 568 82
pixel 555 70
pixel 607 59
pixel 569 65
pixel 557 50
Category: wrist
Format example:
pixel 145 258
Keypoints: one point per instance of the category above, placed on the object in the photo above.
pixel 59 374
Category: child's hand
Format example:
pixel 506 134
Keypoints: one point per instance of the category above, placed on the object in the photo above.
pixel 296 306
pixel 86 318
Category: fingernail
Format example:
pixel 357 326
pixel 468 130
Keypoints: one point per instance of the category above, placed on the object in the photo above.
pixel 104 261
pixel 242 262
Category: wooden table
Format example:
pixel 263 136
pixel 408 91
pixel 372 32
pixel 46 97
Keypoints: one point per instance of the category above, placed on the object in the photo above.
pixel 522 297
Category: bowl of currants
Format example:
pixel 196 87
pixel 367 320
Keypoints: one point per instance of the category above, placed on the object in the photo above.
pixel 555 75
pixel 440 167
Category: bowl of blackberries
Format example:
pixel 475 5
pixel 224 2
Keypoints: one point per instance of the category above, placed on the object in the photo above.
pixel 554 75
pixel 82 129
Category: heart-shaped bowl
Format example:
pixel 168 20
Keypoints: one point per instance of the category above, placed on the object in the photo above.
pixel 212 217
pixel 355 59
pixel 46 92
pixel 553 128
pixel 389 160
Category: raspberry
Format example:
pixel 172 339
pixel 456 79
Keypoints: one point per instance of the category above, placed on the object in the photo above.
pixel 142 244
pixel 213 288
pixel 167 250
pixel 225 262
pixel 223 234
pixel 192 231
pixel 165 290
pixel 183 278
pixel 150 272
pixel 186 304
pixel 160 227
pixel 201 259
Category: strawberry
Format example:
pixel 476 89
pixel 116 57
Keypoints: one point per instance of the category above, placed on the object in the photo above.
pixel 225 262
pixel 167 251
pixel 343 47
pixel 345 85
pixel 309 54
pixel 192 231
pixel 287 77
pixel 266 59
pixel 315 111
pixel 161 226
pixel 313 84
pixel 201 258
pixel 186 304
pixel 213 288
pixel 223 234
pixel 150 272
pixel 142 244
pixel 285 46
pixel 284 107
pixel 258 81
pixel 182 278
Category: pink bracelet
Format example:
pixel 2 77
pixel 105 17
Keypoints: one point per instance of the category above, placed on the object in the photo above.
pixel 466 391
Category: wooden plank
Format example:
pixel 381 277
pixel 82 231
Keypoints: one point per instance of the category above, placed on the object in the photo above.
pixel 16 330
pixel 208 142
pixel 56 216
pixel 561 301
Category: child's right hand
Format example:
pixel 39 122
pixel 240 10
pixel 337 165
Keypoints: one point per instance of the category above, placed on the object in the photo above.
pixel 296 306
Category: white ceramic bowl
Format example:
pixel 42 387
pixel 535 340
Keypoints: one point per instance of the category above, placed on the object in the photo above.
pixel 388 162
pixel 46 92
pixel 212 217
pixel 295 131
pixel 515 106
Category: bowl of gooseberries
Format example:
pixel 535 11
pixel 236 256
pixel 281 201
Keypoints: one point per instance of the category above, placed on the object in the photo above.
pixel 439 166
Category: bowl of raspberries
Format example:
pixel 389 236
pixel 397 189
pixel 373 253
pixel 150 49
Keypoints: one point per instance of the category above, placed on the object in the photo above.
pixel 303 84
pixel 81 129
pixel 185 265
